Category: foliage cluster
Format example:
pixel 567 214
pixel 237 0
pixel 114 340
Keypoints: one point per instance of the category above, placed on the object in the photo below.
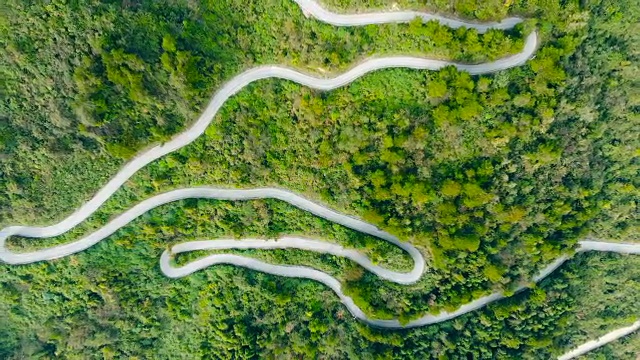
pixel 494 176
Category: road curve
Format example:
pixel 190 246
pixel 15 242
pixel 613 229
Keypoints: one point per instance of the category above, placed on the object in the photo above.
pixel 308 273
pixel 603 340
pixel 220 97
pixel 311 8
pixel 264 72
pixel 231 88
pixel 300 202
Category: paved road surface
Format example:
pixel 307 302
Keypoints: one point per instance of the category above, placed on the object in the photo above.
pixel 312 8
pixel 603 340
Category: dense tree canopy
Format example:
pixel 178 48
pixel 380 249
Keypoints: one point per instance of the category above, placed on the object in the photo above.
pixel 491 176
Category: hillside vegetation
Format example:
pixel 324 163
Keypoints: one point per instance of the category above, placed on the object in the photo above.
pixel 492 176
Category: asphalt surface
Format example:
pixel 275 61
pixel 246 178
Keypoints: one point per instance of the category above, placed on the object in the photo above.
pixel 603 340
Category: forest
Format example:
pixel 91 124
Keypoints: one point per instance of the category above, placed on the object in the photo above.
pixel 492 177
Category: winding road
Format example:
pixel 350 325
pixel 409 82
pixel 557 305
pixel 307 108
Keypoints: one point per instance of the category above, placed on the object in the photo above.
pixel 312 8
pixel 309 7
pixel 603 340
